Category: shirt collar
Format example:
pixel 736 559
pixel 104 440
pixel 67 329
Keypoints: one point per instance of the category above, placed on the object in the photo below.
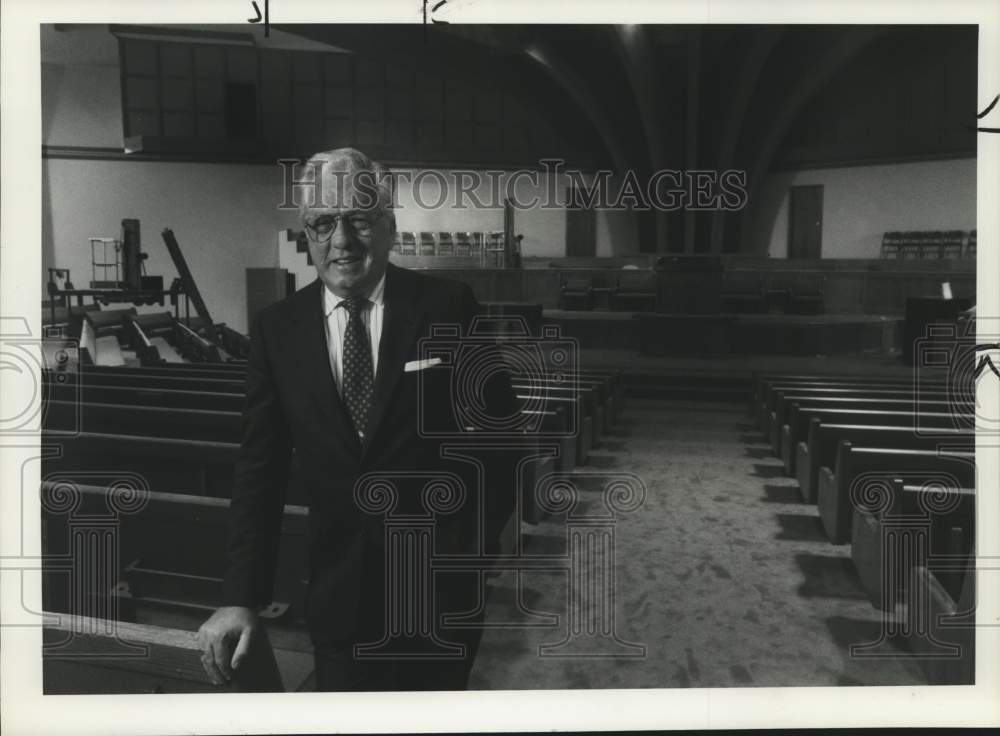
pixel 331 301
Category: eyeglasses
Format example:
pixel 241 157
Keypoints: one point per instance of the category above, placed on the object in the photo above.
pixel 322 229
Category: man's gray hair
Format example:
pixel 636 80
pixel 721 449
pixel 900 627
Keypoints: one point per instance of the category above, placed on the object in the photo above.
pixel 345 178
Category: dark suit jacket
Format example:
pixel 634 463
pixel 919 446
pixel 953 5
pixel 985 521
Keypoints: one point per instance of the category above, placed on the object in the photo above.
pixel 296 425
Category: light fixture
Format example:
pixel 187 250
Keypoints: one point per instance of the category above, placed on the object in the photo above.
pixel 181 35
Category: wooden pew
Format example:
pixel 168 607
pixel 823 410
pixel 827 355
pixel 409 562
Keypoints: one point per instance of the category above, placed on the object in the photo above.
pixel 879 455
pixel 146 421
pixel 764 387
pixel 781 418
pixel 611 389
pixel 156 570
pixel 589 413
pixel 225 371
pixel 763 381
pixel 554 431
pixel 90 656
pixel 155 566
pixel 820 450
pixel 165 382
pixel 588 401
pixel 573 403
pixel 574 411
pixel 146 334
pixel 172 464
pixel 610 381
pixel 781 396
pixel 919 406
pixel 226 427
pixel 615 382
pixel 938 596
pixel 138 396
pixel 101 333
pixel 163 581
pixel 801 414
pixel 137 388
pixel 196 348
pixel 231 371
pixel 943 611
pixel 602 400
pixel 951 534
pixel 190 380
pixel 914 405
pixel 607 389
pixel 768 390
pixel 782 400
pixel 596 402
pixel 235 343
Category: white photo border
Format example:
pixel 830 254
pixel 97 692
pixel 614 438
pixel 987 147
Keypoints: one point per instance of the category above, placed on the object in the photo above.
pixel 25 710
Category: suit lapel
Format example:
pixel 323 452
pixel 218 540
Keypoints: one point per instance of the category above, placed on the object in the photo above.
pixel 399 328
pixel 314 361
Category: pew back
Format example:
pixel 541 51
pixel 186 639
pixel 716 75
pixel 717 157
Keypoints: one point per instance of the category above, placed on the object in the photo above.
pixel 858 469
pixel 820 449
pixel 89 656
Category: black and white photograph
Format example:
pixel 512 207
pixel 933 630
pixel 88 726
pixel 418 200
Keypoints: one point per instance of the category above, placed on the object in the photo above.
pixel 472 354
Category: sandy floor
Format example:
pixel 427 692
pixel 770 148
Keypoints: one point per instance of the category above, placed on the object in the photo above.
pixel 722 577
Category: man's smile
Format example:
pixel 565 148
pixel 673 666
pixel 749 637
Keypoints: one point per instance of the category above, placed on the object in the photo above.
pixel 345 260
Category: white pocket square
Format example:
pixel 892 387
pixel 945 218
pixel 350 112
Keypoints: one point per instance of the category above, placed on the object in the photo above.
pixel 419 365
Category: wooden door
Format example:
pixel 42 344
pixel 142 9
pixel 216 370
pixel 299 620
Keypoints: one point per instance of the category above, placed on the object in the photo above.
pixel 805 221
pixel 581 226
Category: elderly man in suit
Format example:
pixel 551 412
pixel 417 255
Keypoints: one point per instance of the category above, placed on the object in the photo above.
pixel 332 395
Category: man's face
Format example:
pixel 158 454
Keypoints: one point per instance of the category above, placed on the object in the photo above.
pixel 349 247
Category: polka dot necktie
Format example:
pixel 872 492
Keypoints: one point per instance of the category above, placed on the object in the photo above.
pixel 358 388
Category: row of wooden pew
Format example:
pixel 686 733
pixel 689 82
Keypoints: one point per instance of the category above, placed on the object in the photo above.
pixel 890 465
pixel 175 430
pixel 153 417
pixel 105 336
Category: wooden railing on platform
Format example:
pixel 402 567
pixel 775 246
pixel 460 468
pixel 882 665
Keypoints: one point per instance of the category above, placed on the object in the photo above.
pixel 92 656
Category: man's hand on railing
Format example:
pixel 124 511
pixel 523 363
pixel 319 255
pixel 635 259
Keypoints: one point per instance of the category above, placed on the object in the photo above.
pixel 216 637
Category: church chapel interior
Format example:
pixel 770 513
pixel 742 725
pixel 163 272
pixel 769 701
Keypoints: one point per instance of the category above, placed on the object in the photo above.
pixel 734 384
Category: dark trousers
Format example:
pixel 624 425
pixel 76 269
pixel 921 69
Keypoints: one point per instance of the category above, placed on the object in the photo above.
pixel 339 670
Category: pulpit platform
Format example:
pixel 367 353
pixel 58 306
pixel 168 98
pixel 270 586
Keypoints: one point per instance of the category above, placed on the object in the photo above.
pixel 722 335
pixel 715 357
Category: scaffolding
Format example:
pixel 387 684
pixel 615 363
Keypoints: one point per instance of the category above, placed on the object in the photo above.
pixel 493 254
pixel 105 261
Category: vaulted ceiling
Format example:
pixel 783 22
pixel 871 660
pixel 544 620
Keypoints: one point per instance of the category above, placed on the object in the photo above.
pixel 635 98
pixel 639 97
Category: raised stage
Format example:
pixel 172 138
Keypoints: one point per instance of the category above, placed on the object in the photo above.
pixel 850 286
pixel 729 378
pixel 720 335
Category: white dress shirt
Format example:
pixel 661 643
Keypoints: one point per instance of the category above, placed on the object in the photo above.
pixel 336 324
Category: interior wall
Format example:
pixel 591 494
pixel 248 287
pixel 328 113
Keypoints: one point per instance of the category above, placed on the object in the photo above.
pixel 543 226
pixel 617 233
pixel 225 216
pixel 861 203
pixel 872 107
pixel 430 200
pixel 81 106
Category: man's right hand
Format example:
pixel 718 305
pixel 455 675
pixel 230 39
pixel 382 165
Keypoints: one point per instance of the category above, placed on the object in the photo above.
pixel 216 637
